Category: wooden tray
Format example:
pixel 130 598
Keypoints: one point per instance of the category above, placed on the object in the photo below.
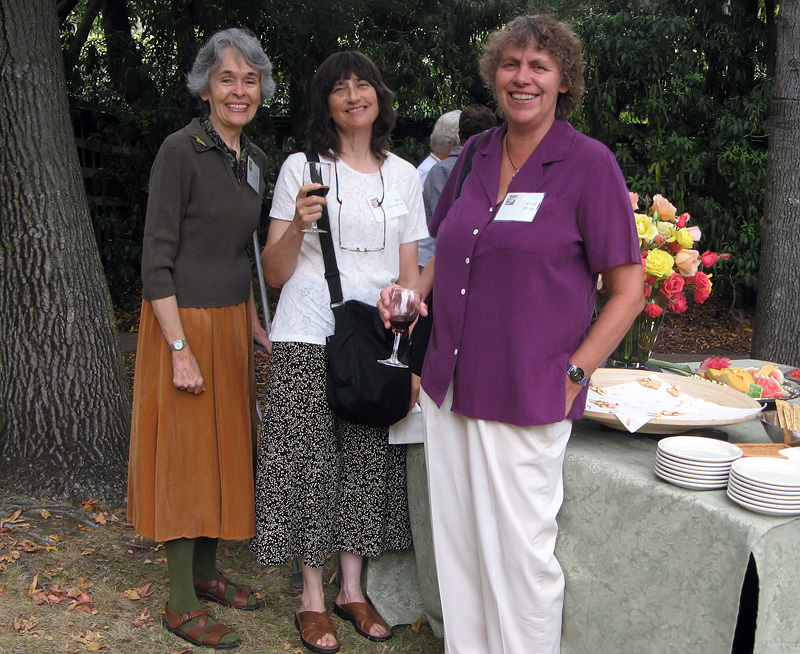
pixel 694 386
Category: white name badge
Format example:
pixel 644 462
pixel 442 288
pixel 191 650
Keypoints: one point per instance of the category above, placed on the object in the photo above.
pixel 519 207
pixel 253 174
pixel 392 206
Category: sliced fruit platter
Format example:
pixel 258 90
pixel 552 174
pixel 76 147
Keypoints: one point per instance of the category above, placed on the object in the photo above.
pixel 766 382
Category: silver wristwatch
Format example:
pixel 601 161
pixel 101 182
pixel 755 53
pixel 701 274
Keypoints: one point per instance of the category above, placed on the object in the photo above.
pixel 577 375
pixel 178 345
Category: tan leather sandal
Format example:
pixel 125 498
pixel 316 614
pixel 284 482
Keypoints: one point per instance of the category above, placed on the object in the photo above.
pixel 363 616
pixel 214 591
pixel 202 634
pixel 312 626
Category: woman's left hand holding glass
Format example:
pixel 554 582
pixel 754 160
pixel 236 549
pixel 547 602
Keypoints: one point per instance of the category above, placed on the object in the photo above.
pixel 384 305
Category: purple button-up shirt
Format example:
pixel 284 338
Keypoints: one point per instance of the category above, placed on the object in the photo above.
pixel 513 300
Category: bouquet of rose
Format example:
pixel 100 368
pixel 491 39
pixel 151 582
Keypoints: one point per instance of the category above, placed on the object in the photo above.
pixel 673 268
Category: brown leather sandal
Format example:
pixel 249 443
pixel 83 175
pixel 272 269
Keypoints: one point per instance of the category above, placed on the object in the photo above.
pixel 363 616
pixel 202 634
pixel 214 591
pixel 312 626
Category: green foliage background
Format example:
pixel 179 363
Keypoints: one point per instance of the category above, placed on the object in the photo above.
pixel 678 90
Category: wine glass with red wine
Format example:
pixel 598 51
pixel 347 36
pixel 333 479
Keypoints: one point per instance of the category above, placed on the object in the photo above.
pixel 403 308
pixel 320 173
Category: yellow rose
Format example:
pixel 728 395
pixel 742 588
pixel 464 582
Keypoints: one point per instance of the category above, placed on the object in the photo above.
pixel 645 227
pixel 666 210
pixel 659 263
pixel 667 230
pixel 684 238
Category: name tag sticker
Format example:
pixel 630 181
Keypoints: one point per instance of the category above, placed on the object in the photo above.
pixel 392 206
pixel 253 174
pixel 519 207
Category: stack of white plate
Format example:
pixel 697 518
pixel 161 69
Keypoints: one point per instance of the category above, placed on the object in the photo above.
pixel 695 462
pixel 765 485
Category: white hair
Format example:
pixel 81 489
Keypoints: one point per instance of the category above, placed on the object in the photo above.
pixel 445 132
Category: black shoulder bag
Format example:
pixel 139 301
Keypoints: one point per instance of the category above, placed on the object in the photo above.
pixel 359 388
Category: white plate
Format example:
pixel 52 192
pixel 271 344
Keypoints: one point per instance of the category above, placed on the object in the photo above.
pixel 700 449
pixel 769 471
pixel 704 467
pixel 694 485
pixel 686 471
pixel 791 453
pixel 761 509
pixel 764 488
pixel 774 501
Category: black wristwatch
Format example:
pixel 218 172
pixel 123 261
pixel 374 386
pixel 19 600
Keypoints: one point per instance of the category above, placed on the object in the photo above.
pixel 577 375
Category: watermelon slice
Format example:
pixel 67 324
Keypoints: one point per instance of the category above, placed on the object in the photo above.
pixel 770 389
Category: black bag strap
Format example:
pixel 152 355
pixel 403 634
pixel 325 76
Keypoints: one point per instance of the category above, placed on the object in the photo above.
pixel 468 162
pixel 328 252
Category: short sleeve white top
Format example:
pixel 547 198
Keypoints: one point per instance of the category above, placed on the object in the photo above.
pixel 304 314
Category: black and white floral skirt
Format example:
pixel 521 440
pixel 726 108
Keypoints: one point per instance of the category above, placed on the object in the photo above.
pixel 322 485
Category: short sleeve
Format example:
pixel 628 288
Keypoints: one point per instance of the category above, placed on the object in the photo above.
pixel 605 217
pixel 290 179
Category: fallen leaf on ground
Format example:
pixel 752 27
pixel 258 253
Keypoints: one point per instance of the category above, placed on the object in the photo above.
pixel 90 504
pixel 143 618
pixel 417 624
pixel 12 519
pixel 100 518
pixel 22 625
pixel 44 513
pixel 138 593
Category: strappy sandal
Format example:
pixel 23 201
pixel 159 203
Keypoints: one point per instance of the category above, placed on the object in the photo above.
pixel 202 634
pixel 312 626
pixel 214 591
pixel 363 616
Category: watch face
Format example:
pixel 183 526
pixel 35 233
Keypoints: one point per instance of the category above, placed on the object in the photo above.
pixel 177 345
pixel 575 374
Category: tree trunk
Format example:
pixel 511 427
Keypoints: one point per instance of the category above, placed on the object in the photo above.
pixel 778 306
pixel 64 403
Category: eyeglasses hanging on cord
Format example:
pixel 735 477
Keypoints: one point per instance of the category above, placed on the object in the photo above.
pixel 380 206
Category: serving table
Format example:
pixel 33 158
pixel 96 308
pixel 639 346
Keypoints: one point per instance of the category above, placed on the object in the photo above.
pixel 649 567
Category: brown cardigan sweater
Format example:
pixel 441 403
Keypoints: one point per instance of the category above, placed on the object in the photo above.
pixel 200 220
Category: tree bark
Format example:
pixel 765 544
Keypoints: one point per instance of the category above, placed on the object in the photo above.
pixel 777 323
pixel 64 403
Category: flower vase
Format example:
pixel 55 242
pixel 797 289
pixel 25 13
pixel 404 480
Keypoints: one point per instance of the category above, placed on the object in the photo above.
pixel 636 346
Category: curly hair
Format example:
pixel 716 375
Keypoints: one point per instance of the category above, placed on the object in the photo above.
pixel 545 33
pixel 342 66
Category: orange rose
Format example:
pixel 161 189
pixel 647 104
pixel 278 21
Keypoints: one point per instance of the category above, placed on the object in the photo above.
pixel 666 210
pixel 687 262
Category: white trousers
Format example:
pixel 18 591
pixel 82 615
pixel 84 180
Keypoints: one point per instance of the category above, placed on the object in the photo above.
pixel 495 490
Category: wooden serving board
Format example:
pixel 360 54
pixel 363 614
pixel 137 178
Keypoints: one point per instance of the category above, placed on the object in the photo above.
pixel 763 449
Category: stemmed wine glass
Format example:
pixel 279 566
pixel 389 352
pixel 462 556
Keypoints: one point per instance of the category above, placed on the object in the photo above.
pixel 320 173
pixel 403 303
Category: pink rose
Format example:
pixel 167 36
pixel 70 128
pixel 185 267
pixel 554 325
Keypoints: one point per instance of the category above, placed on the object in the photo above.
pixel 653 310
pixel 678 304
pixel 673 285
pixel 687 261
pixel 634 200
pixel 709 258
pixel 683 219
pixel 694 232
pixel 660 239
pixel 701 295
pixel 701 281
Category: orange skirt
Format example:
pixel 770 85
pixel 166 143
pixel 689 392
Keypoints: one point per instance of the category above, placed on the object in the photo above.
pixel 190 471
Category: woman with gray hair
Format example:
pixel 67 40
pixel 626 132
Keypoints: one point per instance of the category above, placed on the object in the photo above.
pixel 190 476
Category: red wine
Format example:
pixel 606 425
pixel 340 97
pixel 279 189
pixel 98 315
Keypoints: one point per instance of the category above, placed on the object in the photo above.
pixel 400 322
pixel 321 192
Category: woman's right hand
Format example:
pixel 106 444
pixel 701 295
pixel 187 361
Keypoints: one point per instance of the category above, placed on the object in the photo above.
pixel 384 302
pixel 308 208
pixel 186 374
